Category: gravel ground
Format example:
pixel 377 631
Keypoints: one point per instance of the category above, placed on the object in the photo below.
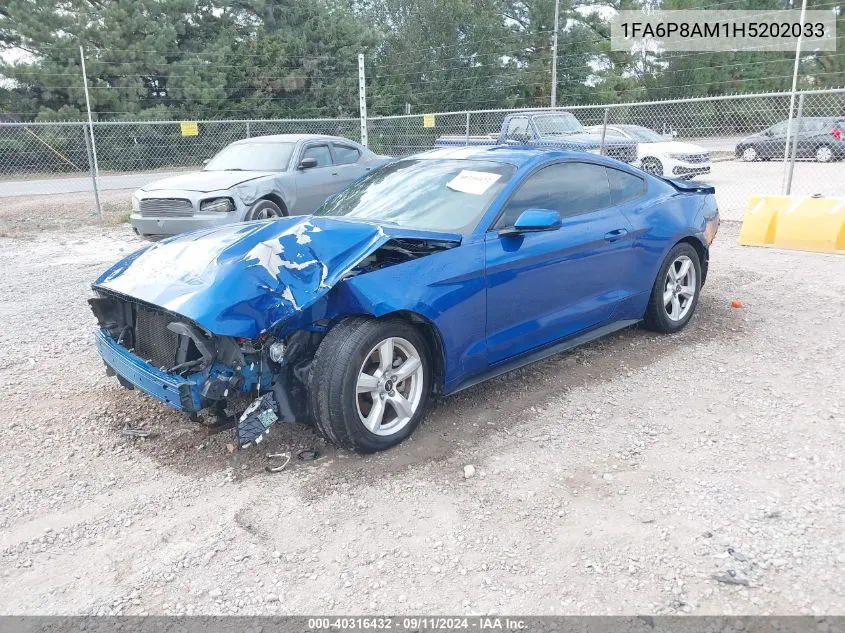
pixel 619 478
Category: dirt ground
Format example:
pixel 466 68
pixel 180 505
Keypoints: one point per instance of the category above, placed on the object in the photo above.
pixel 618 478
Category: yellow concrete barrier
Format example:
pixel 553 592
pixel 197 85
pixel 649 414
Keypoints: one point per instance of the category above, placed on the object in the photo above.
pixel 801 223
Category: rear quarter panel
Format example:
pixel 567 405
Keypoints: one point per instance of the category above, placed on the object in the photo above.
pixel 664 218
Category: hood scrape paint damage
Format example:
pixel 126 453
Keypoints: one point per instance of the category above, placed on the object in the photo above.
pixel 242 279
pixel 239 280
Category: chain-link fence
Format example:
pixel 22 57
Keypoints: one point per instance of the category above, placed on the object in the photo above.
pixel 735 142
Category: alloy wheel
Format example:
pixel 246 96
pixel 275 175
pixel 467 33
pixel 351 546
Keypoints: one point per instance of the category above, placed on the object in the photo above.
pixel 749 154
pixel 390 386
pixel 679 288
pixel 824 154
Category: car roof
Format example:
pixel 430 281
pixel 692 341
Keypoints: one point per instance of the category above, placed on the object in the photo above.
pixel 517 155
pixel 290 138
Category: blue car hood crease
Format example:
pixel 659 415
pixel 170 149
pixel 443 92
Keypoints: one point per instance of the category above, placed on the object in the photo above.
pixel 242 279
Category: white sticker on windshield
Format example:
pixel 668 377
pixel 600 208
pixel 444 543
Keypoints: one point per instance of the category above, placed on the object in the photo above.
pixel 474 182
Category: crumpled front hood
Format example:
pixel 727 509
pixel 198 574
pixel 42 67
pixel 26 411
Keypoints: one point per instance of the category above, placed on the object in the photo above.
pixel 204 181
pixel 241 279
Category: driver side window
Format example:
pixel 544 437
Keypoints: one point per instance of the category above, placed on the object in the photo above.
pixel 778 129
pixel 568 188
pixel 518 130
pixel 320 152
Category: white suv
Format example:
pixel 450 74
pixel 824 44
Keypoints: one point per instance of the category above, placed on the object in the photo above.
pixel 662 156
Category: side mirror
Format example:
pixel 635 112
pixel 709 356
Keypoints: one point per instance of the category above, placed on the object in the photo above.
pixel 534 221
pixel 307 163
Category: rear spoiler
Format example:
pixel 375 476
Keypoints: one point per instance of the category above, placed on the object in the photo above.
pixel 687 186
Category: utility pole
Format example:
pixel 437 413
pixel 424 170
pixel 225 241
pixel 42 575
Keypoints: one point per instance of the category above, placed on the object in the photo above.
pixel 362 99
pixel 95 170
pixel 787 172
pixel 554 54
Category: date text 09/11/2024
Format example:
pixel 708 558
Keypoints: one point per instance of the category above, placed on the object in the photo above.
pixel 411 623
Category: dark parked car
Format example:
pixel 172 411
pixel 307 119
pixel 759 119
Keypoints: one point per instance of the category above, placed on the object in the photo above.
pixel 821 138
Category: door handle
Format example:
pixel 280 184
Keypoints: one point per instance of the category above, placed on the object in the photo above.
pixel 612 236
pixel 334 173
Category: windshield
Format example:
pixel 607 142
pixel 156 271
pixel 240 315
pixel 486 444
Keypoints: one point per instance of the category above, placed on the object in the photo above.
pixel 252 157
pixel 557 124
pixel 437 195
pixel 643 134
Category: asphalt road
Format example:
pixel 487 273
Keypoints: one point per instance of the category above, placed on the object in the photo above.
pixel 76 184
pixel 734 180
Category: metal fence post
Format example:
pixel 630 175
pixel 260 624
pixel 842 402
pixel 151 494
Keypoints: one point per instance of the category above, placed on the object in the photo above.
pixel 795 136
pixel 467 136
pixel 247 129
pixel 362 98
pixel 92 149
pixel 604 130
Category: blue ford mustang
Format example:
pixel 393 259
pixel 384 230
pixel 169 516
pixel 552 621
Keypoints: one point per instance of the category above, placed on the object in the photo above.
pixel 430 275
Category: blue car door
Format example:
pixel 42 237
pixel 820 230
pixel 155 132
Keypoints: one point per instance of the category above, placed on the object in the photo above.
pixel 546 286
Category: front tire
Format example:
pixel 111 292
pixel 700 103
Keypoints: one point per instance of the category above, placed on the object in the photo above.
pixel 749 154
pixel 369 383
pixel 674 295
pixel 264 210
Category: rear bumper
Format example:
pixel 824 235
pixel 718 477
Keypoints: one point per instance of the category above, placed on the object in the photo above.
pixel 174 391
pixel 173 226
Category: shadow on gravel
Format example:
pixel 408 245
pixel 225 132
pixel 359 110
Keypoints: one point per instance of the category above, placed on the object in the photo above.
pixel 452 425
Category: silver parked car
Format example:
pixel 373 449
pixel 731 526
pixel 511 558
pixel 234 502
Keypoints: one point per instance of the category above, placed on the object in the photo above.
pixel 252 179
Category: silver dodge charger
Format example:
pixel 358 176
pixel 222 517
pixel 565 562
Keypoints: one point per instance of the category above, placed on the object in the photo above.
pixel 253 179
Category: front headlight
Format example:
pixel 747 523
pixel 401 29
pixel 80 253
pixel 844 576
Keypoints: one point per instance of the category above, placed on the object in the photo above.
pixel 683 157
pixel 136 202
pixel 217 205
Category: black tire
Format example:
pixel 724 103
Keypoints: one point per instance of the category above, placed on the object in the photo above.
pixel 656 317
pixel 333 397
pixel 652 166
pixel 264 210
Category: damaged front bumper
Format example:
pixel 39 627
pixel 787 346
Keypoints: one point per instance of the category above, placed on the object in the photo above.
pixel 182 393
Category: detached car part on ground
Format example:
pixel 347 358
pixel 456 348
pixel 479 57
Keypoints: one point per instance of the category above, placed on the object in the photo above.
pixel 252 179
pixel 428 276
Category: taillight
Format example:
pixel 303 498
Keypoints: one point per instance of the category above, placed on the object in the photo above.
pixel 837 134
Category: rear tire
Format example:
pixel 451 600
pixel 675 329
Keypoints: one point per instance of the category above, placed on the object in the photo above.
pixel 824 154
pixel 369 383
pixel 264 210
pixel 674 295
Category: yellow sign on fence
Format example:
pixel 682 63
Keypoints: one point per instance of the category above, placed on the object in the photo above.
pixel 428 120
pixel 189 128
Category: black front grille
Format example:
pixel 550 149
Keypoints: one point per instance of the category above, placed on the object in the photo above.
pixel 625 153
pixel 154 343
pixel 697 158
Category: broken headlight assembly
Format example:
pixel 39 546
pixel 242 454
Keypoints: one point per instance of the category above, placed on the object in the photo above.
pixel 217 205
